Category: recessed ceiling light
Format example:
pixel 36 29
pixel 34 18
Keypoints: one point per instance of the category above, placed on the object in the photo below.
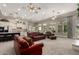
pixel 25 14
pixel 18 9
pixel 4 5
pixel 44 24
pixel 53 18
pixel 43 13
pixel 63 10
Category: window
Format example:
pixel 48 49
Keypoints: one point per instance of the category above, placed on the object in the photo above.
pixel 39 28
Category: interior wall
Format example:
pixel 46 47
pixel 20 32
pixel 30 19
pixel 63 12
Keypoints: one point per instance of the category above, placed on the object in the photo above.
pixel 71 22
pixel 13 25
pixel 59 20
pixel 47 25
pixel 31 27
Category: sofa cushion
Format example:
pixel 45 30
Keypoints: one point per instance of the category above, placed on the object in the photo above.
pixel 23 43
pixel 33 33
pixel 29 40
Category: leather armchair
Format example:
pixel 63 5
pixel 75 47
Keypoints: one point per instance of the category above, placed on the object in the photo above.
pixel 34 49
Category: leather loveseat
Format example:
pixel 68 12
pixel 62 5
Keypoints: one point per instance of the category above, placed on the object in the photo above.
pixel 36 36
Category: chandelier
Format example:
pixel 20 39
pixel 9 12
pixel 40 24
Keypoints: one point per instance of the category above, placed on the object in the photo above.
pixel 33 8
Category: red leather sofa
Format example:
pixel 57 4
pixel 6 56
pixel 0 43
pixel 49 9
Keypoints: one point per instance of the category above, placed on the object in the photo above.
pixel 36 36
pixel 22 48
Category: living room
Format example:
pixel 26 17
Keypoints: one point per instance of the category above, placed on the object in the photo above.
pixel 39 29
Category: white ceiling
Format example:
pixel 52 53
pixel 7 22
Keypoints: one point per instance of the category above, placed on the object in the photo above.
pixel 45 12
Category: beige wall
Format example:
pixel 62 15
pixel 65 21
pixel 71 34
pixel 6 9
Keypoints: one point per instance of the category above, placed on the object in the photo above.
pixel 30 26
pixel 59 19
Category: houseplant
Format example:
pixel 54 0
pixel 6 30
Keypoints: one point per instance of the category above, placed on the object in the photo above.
pixel 78 9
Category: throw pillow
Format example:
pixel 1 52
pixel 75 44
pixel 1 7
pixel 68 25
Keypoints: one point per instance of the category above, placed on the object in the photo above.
pixel 29 40
pixel 23 43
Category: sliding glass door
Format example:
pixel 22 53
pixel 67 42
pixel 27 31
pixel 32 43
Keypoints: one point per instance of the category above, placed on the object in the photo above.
pixel 65 27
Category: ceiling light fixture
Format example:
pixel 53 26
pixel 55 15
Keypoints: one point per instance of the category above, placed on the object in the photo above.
pixel 4 5
pixel 43 13
pixel 18 9
pixel 25 15
pixel 33 8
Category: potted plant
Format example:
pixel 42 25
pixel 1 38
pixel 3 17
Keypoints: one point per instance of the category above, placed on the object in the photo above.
pixel 78 9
